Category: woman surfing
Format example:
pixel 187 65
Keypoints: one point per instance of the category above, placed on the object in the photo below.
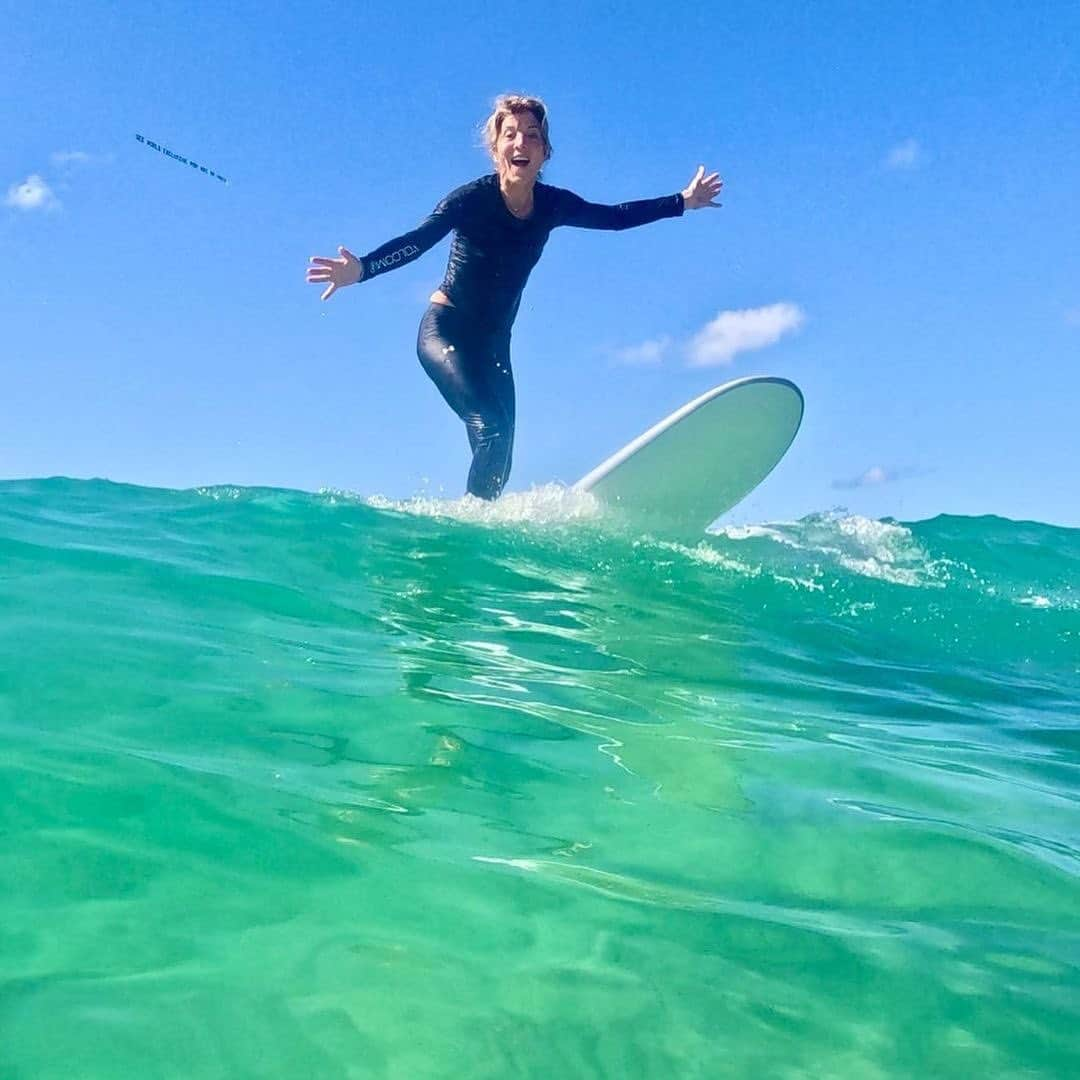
pixel 501 223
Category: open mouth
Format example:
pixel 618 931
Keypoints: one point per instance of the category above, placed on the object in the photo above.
pixel 522 161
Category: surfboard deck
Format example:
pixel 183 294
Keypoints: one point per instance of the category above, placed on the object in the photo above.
pixel 703 459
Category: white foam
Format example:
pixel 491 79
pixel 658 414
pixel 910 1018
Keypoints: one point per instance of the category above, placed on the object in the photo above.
pixel 710 556
pixel 882 550
pixel 1057 601
pixel 547 504
pixel 750 532
pixel 221 491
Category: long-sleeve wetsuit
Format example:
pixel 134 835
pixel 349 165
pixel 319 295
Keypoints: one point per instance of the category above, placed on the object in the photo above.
pixel 465 349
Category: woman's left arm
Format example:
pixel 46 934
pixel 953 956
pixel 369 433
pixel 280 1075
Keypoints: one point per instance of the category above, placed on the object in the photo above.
pixel 699 192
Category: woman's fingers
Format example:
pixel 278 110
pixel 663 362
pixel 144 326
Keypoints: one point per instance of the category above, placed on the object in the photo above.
pixel 703 189
pixel 346 257
pixel 334 273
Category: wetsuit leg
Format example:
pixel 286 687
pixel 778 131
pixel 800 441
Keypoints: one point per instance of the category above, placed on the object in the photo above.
pixel 503 384
pixel 472 372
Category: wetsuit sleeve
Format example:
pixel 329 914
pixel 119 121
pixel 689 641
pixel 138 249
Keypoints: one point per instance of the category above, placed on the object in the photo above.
pixel 574 210
pixel 411 245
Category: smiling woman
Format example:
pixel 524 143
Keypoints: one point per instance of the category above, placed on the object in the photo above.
pixel 512 112
pixel 501 223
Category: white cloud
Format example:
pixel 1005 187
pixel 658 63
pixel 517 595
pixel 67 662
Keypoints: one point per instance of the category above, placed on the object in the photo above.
pixel 32 194
pixel 733 332
pixel 62 158
pixel 648 352
pixel 877 475
pixel 905 155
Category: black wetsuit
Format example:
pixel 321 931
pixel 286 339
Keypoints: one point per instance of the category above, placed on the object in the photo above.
pixel 465 349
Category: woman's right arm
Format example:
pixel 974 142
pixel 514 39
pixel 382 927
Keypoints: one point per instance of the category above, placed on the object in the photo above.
pixel 348 269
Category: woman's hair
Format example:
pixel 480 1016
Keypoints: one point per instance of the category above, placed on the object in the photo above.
pixel 514 105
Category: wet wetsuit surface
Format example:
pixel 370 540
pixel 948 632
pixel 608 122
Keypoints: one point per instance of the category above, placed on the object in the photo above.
pixel 465 349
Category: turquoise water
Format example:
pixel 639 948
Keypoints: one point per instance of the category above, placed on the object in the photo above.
pixel 311 786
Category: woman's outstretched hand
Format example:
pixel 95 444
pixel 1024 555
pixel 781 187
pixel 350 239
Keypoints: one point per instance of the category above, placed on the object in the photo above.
pixel 338 272
pixel 702 190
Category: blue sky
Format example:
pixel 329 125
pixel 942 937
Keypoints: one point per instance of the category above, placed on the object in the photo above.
pixel 900 236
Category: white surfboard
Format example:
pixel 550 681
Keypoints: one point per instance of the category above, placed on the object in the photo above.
pixel 704 458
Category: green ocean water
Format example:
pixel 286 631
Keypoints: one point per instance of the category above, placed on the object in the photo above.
pixel 300 785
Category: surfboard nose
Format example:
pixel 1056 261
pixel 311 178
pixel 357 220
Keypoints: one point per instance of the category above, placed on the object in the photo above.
pixel 703 459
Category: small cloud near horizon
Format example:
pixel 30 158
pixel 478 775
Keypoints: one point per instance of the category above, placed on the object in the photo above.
pixel 33 193
pixel 904 155
pixel 876 476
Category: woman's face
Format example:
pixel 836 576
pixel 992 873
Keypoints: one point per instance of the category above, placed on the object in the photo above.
pixel 519 153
